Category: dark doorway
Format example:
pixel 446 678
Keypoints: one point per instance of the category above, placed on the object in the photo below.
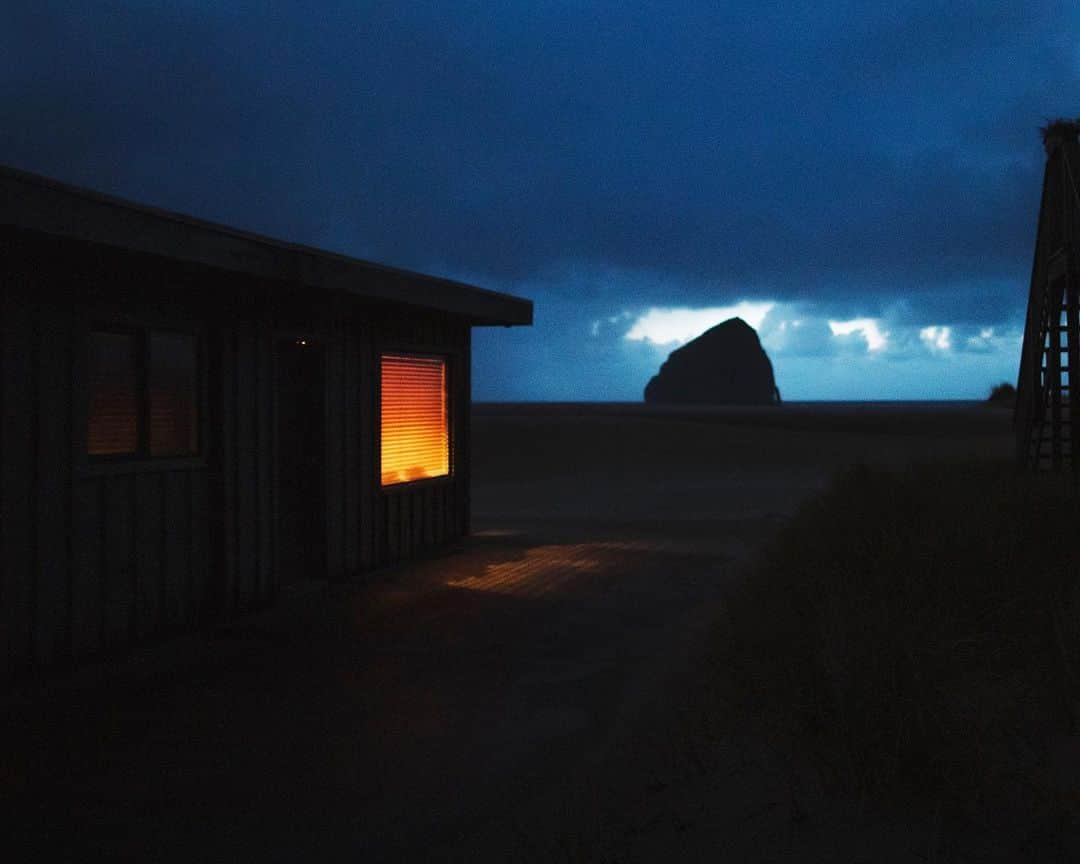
pixel 301 464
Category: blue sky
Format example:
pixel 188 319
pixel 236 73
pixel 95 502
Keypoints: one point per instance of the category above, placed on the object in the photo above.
pixel 861 179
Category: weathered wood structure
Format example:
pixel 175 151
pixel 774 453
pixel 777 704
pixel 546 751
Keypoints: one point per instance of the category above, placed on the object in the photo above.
pixel 1046 413
pixel 192 418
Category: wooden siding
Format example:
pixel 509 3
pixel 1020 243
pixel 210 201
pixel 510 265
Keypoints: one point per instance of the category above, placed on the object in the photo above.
pixel 240 453
pixel 415 517
pixel 18 448
pixel 100 555
pixel 142 556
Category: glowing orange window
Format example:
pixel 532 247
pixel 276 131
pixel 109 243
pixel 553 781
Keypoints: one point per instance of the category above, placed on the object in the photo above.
pixel 415 429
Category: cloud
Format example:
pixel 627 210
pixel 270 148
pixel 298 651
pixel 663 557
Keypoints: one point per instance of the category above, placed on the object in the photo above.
pixel 871 161
pixel 679 325
pixel 990 339
pixel 562 358
pixel 867 328
pixel 603 327
pixel 797 332
pixel 937 338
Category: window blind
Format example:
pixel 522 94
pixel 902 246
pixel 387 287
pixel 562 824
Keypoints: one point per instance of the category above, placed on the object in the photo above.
pixel 142 379
pixel 415 433
pixel 112 426
pixel 172 387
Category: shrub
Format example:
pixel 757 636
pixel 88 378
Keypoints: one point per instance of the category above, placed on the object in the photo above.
pixel 918 633
pixel 1003 394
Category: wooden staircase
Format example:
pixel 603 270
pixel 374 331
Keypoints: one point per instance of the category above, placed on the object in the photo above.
pixel 1045 412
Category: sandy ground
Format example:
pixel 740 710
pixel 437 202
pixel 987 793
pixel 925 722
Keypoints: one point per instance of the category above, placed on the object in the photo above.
pixel 529 696
pixel 677 783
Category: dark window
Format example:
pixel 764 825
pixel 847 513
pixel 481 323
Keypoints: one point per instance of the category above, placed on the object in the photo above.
pixel 114 398
pixel 171 380
pixel 143 398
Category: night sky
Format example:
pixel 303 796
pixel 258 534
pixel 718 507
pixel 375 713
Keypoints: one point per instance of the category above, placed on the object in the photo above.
pixel 859 180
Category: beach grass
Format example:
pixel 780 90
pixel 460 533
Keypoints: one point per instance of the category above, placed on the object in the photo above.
pixel 914 636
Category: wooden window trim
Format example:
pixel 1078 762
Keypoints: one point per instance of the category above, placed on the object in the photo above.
pixel 93 465
pixel 451 360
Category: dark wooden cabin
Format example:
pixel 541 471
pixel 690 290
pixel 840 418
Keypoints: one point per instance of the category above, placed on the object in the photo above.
pixel 198 420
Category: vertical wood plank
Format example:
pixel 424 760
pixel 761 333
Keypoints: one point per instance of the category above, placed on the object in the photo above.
pixel 176 548
pixel 52 596
pixel 1072 305
pixel 419 498
pixel 148 555
pixel 429 516
pixel 392 530
pixel 202 566
pixel 265 455
pixel 450 498
pixel 335 478
pixel 448 512
pixel 275 457
pixel 118 516
pixel 350 396
pixel 245 465
pixel 6 665
pixel 86 575
pixel 412 499
pixel 17 528
pixel 462 433
pixel 221 593
pixel 367 437
pixel 436 515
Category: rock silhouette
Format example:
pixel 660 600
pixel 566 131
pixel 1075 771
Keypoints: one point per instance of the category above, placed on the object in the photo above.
pixel 724 365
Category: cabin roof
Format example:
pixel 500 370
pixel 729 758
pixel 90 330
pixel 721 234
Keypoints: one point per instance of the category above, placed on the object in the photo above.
pixel 37 203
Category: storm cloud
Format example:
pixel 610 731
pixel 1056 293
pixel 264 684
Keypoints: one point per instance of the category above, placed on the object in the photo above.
pixel 854 160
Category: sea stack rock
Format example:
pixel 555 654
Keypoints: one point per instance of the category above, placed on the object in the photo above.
pixel 723 366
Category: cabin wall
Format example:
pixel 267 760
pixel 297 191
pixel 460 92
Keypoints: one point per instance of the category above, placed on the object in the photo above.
pixel 93 556
pixel 34 512
pixel 411 518
pixel 97 557
pixel 240 457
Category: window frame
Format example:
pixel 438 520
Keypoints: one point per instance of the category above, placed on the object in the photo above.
pixel 429 353
pixel 142 459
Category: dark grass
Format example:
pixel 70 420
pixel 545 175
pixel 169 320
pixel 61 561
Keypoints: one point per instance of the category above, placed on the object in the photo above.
pixel 915 636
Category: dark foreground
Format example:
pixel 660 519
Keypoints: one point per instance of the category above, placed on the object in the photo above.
pixel 455 709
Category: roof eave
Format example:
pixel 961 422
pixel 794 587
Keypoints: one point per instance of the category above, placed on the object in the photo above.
pixel 36 203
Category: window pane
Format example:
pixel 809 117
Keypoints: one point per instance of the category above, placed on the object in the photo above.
pixel 114 405
pixel 171 378
pixel 415 432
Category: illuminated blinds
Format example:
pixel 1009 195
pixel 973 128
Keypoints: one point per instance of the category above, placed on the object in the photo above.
pixel 415 432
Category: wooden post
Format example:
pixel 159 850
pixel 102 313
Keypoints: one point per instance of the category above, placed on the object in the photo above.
pixel 1053 375
pixel 1072 337
pixel 1050 357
